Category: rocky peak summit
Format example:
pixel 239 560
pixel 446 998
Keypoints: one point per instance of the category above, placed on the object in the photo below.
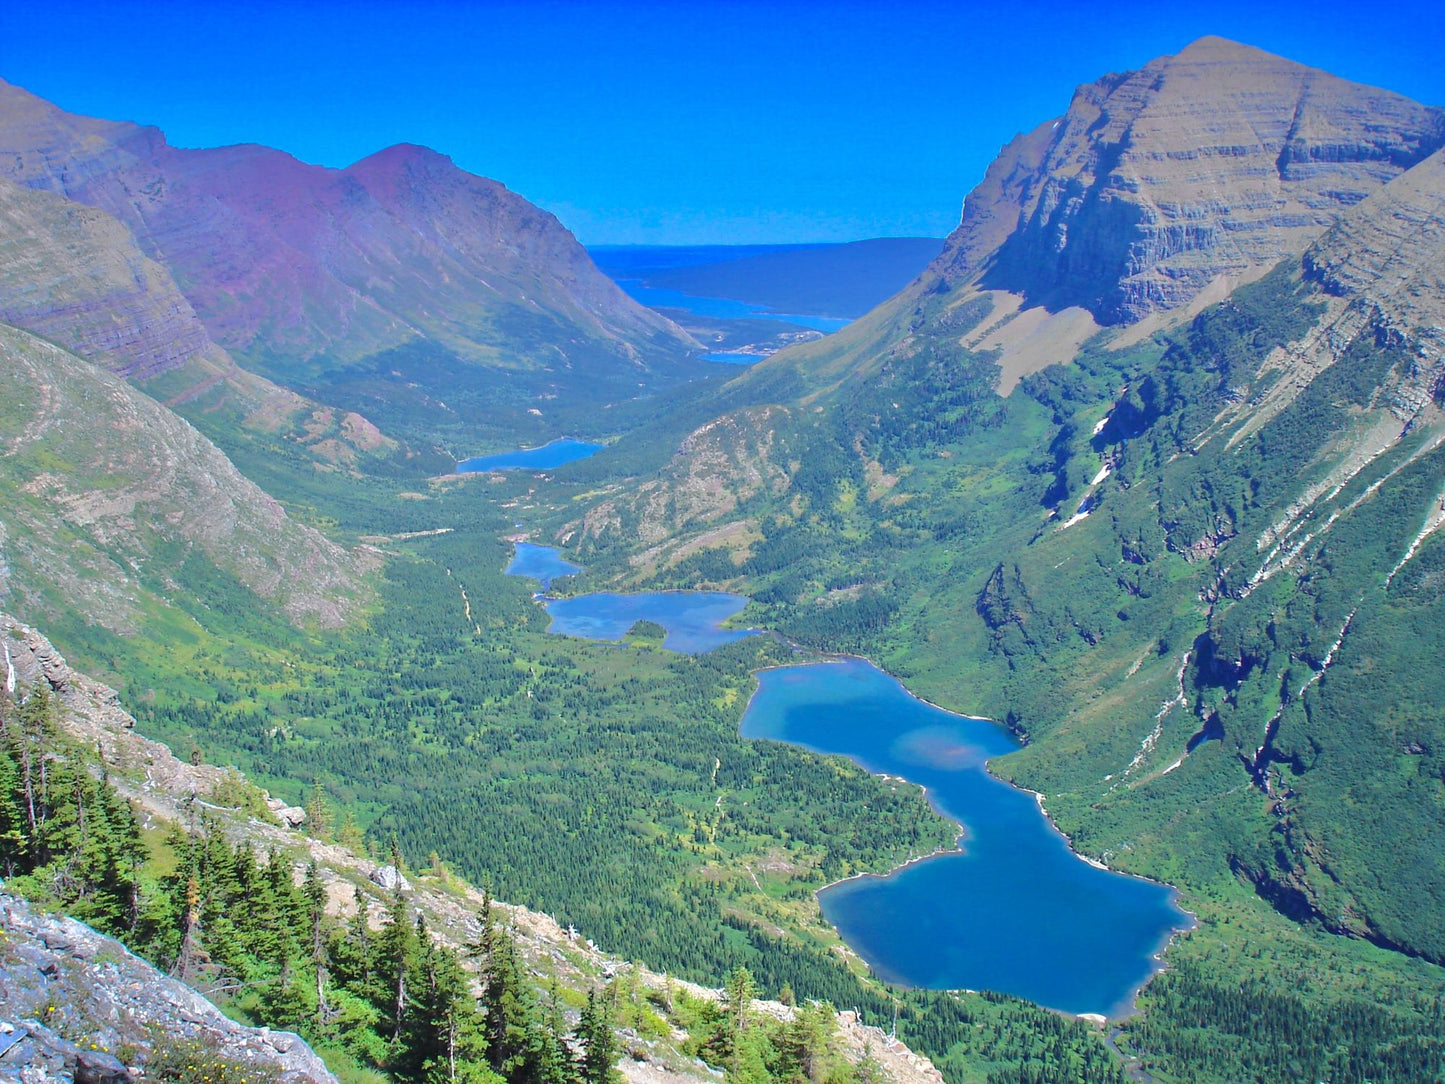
pixel 1215 161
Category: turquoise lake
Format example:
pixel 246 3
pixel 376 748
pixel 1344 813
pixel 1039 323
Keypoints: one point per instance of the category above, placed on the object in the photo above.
pixel 1017 911
pixel 546 457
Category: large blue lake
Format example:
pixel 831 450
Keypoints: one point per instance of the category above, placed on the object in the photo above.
pixel 1017 911
pixel 546 457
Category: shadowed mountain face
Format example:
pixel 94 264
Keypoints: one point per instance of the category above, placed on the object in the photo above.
pixel 1217 160
pixel 287 263
pixel 74 275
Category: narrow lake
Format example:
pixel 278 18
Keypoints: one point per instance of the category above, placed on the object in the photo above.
pixel 1017 911
pixel 546 457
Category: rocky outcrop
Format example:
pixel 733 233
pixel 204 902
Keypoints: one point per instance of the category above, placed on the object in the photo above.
pixel 1385 257
pixel 71 999
pixel 104 480
pixel 716 469
pixel 283 260
pixel 1155 183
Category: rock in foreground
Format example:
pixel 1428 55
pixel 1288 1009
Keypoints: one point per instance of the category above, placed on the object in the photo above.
pixel 80 998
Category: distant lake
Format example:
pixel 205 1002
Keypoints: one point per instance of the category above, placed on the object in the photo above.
pixel 1017 911
pixel 734 359
pixel 541 563
pixel 691 618
pixel 544 458
pixel 722 308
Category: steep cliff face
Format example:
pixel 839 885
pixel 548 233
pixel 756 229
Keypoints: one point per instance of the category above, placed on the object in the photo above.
pixel 1217 160
pixel 285 261
pixel 110 492
pixel 73 275
pixel 1386 255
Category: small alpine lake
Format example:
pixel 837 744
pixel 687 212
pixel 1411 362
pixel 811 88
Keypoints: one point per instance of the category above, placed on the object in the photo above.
pixel 541 563
pixel 547 457
pixel 1016 910
pixel 693 619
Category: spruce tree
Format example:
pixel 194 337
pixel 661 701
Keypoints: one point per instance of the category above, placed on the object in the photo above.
pixel 598 1042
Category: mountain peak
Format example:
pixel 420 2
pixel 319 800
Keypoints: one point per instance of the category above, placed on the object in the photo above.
pixel 401 154
pixel 1212 49
pixel 1218 160
pixel 283 261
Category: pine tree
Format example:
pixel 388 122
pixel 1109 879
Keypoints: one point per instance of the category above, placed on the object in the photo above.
pixel 395 955
pixel 318 814
pixel 316 898
pixel 739 992
pixel 598 1042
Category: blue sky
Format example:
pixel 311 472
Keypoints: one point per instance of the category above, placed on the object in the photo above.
pixel 666 123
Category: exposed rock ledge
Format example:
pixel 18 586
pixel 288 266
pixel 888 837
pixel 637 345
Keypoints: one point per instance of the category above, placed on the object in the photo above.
pixel 80 997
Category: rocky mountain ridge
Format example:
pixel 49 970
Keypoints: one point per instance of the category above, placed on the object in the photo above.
pixel 1155 182
pixel 1157 193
